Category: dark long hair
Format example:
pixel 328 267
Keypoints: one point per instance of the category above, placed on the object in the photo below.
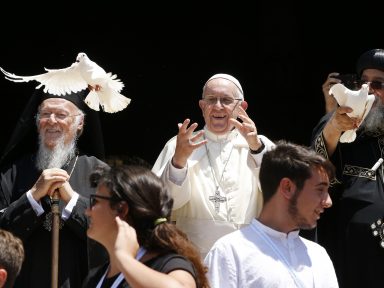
pixel 148 200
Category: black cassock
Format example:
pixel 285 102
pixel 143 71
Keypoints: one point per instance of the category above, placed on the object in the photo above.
pixel 358 201
pixel 77 253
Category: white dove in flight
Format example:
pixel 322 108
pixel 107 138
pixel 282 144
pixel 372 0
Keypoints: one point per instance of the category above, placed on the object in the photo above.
pixel 360 101
pixel 84 73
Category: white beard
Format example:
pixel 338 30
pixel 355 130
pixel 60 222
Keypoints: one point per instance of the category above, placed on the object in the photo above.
pixel 57 157
pixel 60 155
pixel 374 122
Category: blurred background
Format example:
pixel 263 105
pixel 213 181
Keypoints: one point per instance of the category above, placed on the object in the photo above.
pixel 165 52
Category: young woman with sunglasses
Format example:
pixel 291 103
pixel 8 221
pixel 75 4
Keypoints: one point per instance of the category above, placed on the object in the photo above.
pixel 129 215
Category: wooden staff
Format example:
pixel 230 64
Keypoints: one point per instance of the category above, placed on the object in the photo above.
pixel 55 238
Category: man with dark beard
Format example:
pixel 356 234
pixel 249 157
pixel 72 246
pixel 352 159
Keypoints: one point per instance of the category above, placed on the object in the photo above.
pixel 269 252
pixel 346 229
pixel 27 184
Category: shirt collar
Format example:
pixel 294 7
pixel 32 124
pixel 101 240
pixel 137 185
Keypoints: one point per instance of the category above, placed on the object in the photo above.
pixel 274 233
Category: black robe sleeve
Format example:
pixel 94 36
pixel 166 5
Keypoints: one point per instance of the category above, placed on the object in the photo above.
pixel 77 253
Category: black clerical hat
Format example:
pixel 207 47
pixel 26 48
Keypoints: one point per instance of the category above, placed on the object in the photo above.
pixel 371 59
pixel 76 98
pixel 24 138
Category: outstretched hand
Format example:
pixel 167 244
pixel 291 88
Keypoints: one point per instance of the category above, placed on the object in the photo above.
pixel 186 143
pixel 247 129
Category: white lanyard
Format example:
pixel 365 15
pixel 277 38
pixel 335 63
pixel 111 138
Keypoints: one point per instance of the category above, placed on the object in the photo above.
pixel 120 278
pixel 266 238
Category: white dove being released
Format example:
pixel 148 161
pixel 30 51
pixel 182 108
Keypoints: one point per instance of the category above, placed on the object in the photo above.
pixel 360 101
pixel 84 73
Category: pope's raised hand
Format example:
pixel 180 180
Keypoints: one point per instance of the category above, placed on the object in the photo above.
pixel 186 143
pixel 247 129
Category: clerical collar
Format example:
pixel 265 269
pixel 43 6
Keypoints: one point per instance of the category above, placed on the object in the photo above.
pixel 220 138
pixel 276 234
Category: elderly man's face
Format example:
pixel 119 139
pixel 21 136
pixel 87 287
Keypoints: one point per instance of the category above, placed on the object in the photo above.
pixel 55 121
pixel 377 76
pixel 374 123
pixel 219 104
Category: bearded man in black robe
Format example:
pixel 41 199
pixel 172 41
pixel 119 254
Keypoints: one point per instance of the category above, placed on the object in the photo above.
pixel 346 230
pixel 28 180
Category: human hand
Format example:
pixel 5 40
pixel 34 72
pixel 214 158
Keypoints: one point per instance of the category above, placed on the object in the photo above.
pixel 49 181
pixel 126 243
pixel 330 101
pixel 186 142
pixel 247 129
pixel 341 122
pixel 66 192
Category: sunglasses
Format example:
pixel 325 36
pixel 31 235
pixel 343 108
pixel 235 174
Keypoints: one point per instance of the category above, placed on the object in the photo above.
pixel 356 84
pixel 375 85
pixel 93 199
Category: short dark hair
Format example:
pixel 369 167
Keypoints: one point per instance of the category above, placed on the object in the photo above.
pixel 290 160
pixel 11 256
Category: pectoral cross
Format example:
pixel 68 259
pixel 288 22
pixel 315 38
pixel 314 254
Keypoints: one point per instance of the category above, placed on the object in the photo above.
pixel 217 199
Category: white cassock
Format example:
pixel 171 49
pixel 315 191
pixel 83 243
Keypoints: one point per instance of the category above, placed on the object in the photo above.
pixel 202 213
pixel 258 256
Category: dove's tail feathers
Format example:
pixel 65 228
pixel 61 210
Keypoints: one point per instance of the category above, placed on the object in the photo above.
pixel 113 83
pixel 112 101
pixel 348 136
pixel 92 100
pixel 119 104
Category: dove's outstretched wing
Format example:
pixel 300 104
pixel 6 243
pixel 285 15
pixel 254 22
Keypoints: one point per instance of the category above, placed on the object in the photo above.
pixel 114 83
pixel 56 81
pixel 104 87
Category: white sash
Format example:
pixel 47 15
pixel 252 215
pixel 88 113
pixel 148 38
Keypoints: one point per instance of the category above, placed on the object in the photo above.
pixel 292 272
